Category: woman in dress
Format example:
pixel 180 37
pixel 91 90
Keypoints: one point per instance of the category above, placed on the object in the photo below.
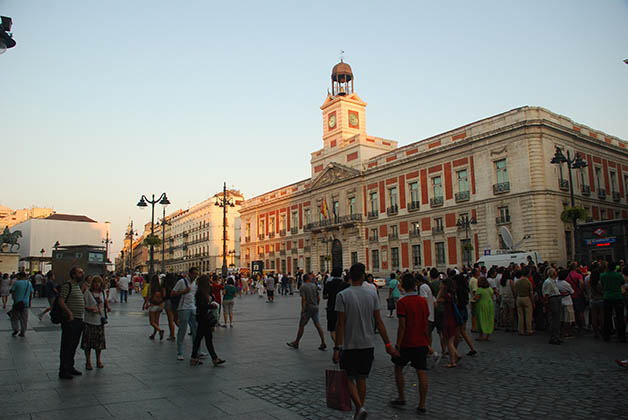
pixel 5 287
pixel 450 328
pixel 96 308
pixel 485 309
pixel 506 289
pixel 462 295
pixel 155 295
pixel 204 306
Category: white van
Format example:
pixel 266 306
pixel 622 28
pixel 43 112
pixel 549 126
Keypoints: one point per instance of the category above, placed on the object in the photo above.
pixel 504 260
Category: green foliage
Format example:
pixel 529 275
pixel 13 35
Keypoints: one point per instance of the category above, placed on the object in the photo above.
pixel 467 246
pixel 573 213
pixel 152 240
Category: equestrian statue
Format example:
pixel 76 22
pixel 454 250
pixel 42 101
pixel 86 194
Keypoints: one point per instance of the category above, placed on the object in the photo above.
pixel 10 238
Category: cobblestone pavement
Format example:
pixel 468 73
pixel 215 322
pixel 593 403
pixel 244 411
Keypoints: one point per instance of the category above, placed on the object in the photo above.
pixel 511 377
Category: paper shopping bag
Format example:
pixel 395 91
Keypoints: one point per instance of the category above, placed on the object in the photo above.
pixel 336 390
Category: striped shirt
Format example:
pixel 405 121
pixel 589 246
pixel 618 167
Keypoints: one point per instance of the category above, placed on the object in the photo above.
pixel 75 301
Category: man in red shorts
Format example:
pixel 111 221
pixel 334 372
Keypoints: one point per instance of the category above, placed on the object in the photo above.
pixel 412 340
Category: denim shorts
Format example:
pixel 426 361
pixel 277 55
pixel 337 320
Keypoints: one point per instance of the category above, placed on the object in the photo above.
pixel 309 314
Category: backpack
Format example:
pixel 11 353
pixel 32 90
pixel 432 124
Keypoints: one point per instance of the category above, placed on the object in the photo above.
pixel 56 313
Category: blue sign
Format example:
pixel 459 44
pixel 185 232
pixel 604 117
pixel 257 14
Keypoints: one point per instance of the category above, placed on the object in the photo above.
pixel 487 252
pixel 601 241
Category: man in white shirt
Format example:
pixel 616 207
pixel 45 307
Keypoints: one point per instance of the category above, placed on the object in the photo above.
pixel 425 291
pixel 568 315
pixel 185 289
pixel 123 284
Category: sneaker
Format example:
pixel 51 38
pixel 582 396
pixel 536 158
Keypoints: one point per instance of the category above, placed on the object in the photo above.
pixel 322 347
pixel 195 362
pixel 203 355
pixel 622 363
pixel 171 338
pixel 40 316
pixel 361 415
pixel 180 357
pixel 420 410
pixel 472 353
pixel 436 358
pixel 293 345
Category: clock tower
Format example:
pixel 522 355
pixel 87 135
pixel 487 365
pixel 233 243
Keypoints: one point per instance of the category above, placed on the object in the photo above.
pixel 344 125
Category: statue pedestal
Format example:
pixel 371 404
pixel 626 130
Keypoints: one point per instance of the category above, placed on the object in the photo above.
pixel 9 262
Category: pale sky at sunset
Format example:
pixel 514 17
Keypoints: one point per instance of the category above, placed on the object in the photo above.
pixel 102 101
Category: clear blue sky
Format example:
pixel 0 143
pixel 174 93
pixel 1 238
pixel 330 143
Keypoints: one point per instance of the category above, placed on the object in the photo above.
pixel 101 101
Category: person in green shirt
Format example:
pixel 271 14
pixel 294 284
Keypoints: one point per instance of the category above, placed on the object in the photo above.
pixel 612 281
pixel 393 294
pixel 230 292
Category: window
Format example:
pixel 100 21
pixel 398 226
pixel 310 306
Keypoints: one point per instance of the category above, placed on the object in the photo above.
pixel 336 208
pixel 598 177
pixel 282 222
pixel 466 251
pixel 373 233
pixel 394 254
pixel 440 253
pixel 414 192
pixel 416 256
pixel 375 255
pixel 568 243
pixel 352 205
pixel 261 227
pixel 437 186
pixel 415 227
pixel 272 264
pixel 501 171
pixel 373 201
pixel 438 222
pixel 271 224
pixel 247 230
pixel 504 213
pixel 583 178
pixel 308 264
pixel 392 196
pixel 613 181
pixel 307 216
pixel 394 232
pixel 354 258
pixel 295 219
pixel 323 263
pixel 463 182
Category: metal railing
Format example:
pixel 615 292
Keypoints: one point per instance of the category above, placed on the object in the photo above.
pixel 616 196
pixel 436 201
pixel 462 196
pixel 601 193
pixel 563 184
pixel 415 233
pixel 586 190
pixel 437 229
pixel 502 187
pixel 502 220
pixel 413 205
pixel 373 214
pixel 294 230
pixel 394 209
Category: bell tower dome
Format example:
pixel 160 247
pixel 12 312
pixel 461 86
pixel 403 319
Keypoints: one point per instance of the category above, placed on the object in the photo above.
pixel 341 79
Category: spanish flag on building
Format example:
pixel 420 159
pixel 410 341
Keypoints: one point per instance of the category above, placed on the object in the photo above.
pixel 324 211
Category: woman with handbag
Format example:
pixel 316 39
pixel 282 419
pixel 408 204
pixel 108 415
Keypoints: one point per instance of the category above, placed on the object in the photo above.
pixel 155 297
pixel 206 321
pixel 96 307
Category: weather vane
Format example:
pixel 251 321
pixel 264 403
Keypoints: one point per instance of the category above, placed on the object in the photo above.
pixel 342 55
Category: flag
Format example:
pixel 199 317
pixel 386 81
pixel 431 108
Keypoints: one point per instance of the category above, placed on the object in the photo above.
pixel 324 208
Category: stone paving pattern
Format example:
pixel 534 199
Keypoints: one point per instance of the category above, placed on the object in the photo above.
pixel 511 377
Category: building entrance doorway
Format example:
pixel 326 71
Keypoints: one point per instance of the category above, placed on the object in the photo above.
pixel 336 255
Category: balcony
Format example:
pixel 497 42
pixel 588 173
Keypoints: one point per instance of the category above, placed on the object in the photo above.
pixel 437 230
pixel 373 214
pixel 462 196
pixel 271 234
pixel 294 251
pixel 393 236
pixel 260 237
pixel 271 254
pixel 414 233
pixel 563 184
pixel 282 232
pixel 413 205
pixel 247 239
pixel 502 220
pixel 307 249
pixel 586 190
pixel 373 238
pixel 261 254
pixel 616 196
pixel 294 230
pixel 601 193
pixel 282 252
pixel 436 201
pixel 501 188
pixel 392 210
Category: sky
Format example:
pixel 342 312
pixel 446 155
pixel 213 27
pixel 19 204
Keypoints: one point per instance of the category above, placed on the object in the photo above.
pixel 103 101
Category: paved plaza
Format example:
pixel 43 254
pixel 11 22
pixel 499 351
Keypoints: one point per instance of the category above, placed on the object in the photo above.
pixel 511 377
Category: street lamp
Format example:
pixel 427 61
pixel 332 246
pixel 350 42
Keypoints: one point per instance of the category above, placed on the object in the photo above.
pixel 575 162
pixel 144 201
pixel 327 241
pixel 6 37
pixel 130 235
pixel 163 223
pixel 107 241
pixel 465 223
pixel 224 202
pixel 41 260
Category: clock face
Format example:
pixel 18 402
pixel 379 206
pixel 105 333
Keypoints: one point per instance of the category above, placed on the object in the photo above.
pixel 353 119
pixel 332 121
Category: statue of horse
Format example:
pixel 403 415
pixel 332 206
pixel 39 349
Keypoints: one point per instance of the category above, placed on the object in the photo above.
pixel 10 238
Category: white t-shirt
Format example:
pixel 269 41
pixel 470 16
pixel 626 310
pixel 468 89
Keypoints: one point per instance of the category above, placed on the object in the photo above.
pixel 123 282
pixel 187 299
pixel 369 286
pixel 426 292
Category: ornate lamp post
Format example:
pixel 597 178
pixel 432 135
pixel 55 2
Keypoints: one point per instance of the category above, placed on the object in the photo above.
pixel 131 234
pixel 107 241
pixel 41 260
pixel 575 162
pixel 144 201
pixel 224 202
pixel 465 223
pixel 163 223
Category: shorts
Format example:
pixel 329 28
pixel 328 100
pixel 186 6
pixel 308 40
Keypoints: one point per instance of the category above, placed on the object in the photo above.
pixel 155 308
pixel 473 306
pixel 227 307
pixel 568 315
pixel 270 293
pixel 596 304
pixel 464 312
pixel 307 315
pixel 416 356
pixel 332 319
pixel 168 305
pixel 578 304
pixel 357 362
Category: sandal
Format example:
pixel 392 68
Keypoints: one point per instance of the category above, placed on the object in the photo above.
pixel 218 362
pixel 88 367
pixel 100 366
pixel 450 365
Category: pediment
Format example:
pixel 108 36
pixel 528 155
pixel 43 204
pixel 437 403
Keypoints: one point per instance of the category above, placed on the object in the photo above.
pixel 334 172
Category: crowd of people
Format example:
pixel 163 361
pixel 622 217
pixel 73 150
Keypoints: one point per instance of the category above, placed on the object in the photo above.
pixel 525 298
